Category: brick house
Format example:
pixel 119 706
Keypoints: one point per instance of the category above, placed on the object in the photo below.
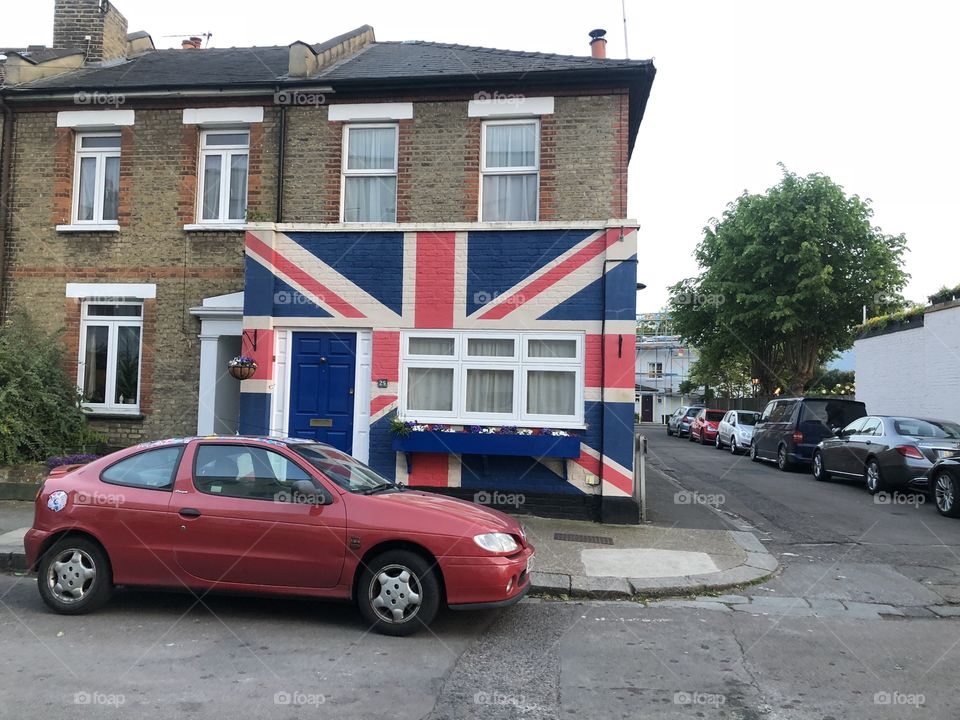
pixel 409 231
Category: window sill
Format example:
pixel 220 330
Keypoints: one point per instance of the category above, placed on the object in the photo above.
pixel 136 415
pixel 211 227
pixel 76 228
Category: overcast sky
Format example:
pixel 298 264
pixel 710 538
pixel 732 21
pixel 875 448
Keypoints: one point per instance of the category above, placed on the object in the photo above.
pixel 863 91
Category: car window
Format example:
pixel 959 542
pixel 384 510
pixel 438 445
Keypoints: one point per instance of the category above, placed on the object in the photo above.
pixel 346 471
pixel 782 411
pixel 747 418
pixel 914 427
pixel 153 469
pixel 871 426
pixel 768 411
pixel 714 415
pixel 244 471
pixel 832 413
pixel 853 428
pixel 728 417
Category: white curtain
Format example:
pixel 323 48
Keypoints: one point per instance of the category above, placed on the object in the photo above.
pixel 238 187
pixel 431 346
pixel 551 392
pixel 95 364
pixel 430 389
pixel 372 149
pixel 552 348
pixel 511 146
pixel 489 391
pixel 111 188
pixel 211 187
pixel 496 347
pixel 88 188
pixel 370 199
pixel 509 198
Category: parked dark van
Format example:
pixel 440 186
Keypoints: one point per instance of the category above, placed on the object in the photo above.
pixel 789 429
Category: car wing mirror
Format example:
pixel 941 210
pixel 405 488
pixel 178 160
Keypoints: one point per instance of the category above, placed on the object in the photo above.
pixel 307 493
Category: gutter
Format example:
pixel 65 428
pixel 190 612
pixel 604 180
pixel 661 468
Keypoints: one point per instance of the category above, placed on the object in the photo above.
pixel 6 163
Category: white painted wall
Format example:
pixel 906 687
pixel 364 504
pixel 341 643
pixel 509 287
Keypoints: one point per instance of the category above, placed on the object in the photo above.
pixel 913 372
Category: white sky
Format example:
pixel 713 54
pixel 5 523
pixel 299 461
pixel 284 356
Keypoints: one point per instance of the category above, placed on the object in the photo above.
pixel 863 91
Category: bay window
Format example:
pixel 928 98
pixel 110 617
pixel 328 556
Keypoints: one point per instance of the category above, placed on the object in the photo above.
pixel 96 187
pixel 224 163
pixel 370 173
pixel 510 169
pixel 108 371
pixel 492 378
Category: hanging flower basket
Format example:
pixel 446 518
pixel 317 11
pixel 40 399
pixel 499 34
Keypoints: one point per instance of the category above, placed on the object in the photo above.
pixel 242 367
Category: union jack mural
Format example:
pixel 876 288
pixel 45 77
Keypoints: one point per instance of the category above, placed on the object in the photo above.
pixel 385 283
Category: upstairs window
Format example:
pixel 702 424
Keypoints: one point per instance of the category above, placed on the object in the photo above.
pixel 224 161
pixel 109 367
pixel 370 173
pixel 510 168
pixel 96 191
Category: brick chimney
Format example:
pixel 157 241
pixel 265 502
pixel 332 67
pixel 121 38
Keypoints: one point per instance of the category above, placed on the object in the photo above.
pixel 191 43
pixel 76 20
pixel 598 43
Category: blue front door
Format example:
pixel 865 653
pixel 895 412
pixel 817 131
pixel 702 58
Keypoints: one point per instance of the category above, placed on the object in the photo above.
pixel 321 387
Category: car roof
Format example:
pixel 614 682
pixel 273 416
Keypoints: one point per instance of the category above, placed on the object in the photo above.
pixel 228 439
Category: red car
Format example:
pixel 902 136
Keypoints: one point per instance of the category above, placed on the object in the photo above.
pixel 263 515
pixel 706 425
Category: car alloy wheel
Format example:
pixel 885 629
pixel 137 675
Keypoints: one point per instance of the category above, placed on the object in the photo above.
pixel 74 576
pixel 716 442
pixel 753 453
pixel 398 592
pixel 669 431
pixel 733 445
pixel 782 461
pixel 945 494
pixel 872 477
pixel 818 472
pixel 703 438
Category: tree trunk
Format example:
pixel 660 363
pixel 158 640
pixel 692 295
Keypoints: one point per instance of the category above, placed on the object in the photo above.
pixel 800 360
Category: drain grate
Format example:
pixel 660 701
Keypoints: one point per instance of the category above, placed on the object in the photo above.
pixel 573 537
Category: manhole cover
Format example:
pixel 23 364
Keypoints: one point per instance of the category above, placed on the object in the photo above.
pixel 573 537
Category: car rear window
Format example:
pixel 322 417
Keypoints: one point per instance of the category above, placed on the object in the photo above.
pixel 715 415
pixel 832 413
pixel 927 429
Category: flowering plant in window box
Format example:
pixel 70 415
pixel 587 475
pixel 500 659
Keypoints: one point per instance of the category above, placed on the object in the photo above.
pixel 411 437
pixel 242 367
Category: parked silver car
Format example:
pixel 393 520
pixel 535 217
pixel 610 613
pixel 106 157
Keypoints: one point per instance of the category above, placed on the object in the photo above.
pixel 679 423
pixel 888 453
pixel 736 430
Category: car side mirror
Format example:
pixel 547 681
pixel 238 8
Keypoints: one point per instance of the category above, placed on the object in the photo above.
pixel 305 492
pixel 733 423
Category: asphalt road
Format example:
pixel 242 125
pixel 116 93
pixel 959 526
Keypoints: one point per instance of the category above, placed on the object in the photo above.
pixel 156 655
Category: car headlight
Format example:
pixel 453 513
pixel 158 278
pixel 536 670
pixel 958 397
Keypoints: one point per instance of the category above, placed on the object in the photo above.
pixel 496 542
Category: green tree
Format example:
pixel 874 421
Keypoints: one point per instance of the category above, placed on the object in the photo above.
pixel 784 278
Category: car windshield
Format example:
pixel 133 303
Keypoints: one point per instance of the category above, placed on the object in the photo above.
pixel 747 418
pixel 832 413
pixel 715 415
pixel 927 428
pixel 347 472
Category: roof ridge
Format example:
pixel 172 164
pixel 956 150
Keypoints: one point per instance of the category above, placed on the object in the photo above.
pixel 518 53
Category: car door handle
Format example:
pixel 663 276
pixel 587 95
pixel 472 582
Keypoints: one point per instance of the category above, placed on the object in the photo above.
pixel 189 512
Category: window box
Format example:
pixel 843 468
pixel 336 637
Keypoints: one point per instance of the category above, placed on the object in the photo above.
pixel 467 443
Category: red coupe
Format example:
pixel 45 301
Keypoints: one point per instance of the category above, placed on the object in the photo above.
pixel 264 515
pixel 706 425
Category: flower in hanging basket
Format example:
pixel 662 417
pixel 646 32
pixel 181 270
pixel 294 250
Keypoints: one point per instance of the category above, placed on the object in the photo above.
pixel 242 367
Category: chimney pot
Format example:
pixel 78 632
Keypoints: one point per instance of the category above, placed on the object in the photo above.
pixel 191 43
pixel 598 43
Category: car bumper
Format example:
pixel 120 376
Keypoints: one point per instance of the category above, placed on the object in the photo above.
pixel 478 582
pixel 708 433
pixel 33 543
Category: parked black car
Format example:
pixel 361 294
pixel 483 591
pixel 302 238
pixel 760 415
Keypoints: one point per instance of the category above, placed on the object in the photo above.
pixel 789 429
pixel 679 423
pixel 888 452
pixel 943 480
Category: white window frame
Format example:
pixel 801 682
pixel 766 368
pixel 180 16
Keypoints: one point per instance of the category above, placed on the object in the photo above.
pixel 113 323
pixel 654 369
pixel 226 153
pixel 101 155
pixel 520 363
pixel 373 172
pixel 525 170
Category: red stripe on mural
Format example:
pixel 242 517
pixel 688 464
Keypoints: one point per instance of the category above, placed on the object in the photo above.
pixel 592 362
pixel 618 479
pixel 386 356
pixel 302 278
pixel 551 277
pixel 436 257
pixel 430 469
pixel 588 463
pixel 381 401
pixel 621 362
pixel 263 353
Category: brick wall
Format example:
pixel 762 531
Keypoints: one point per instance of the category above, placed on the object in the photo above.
pixel 75 20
